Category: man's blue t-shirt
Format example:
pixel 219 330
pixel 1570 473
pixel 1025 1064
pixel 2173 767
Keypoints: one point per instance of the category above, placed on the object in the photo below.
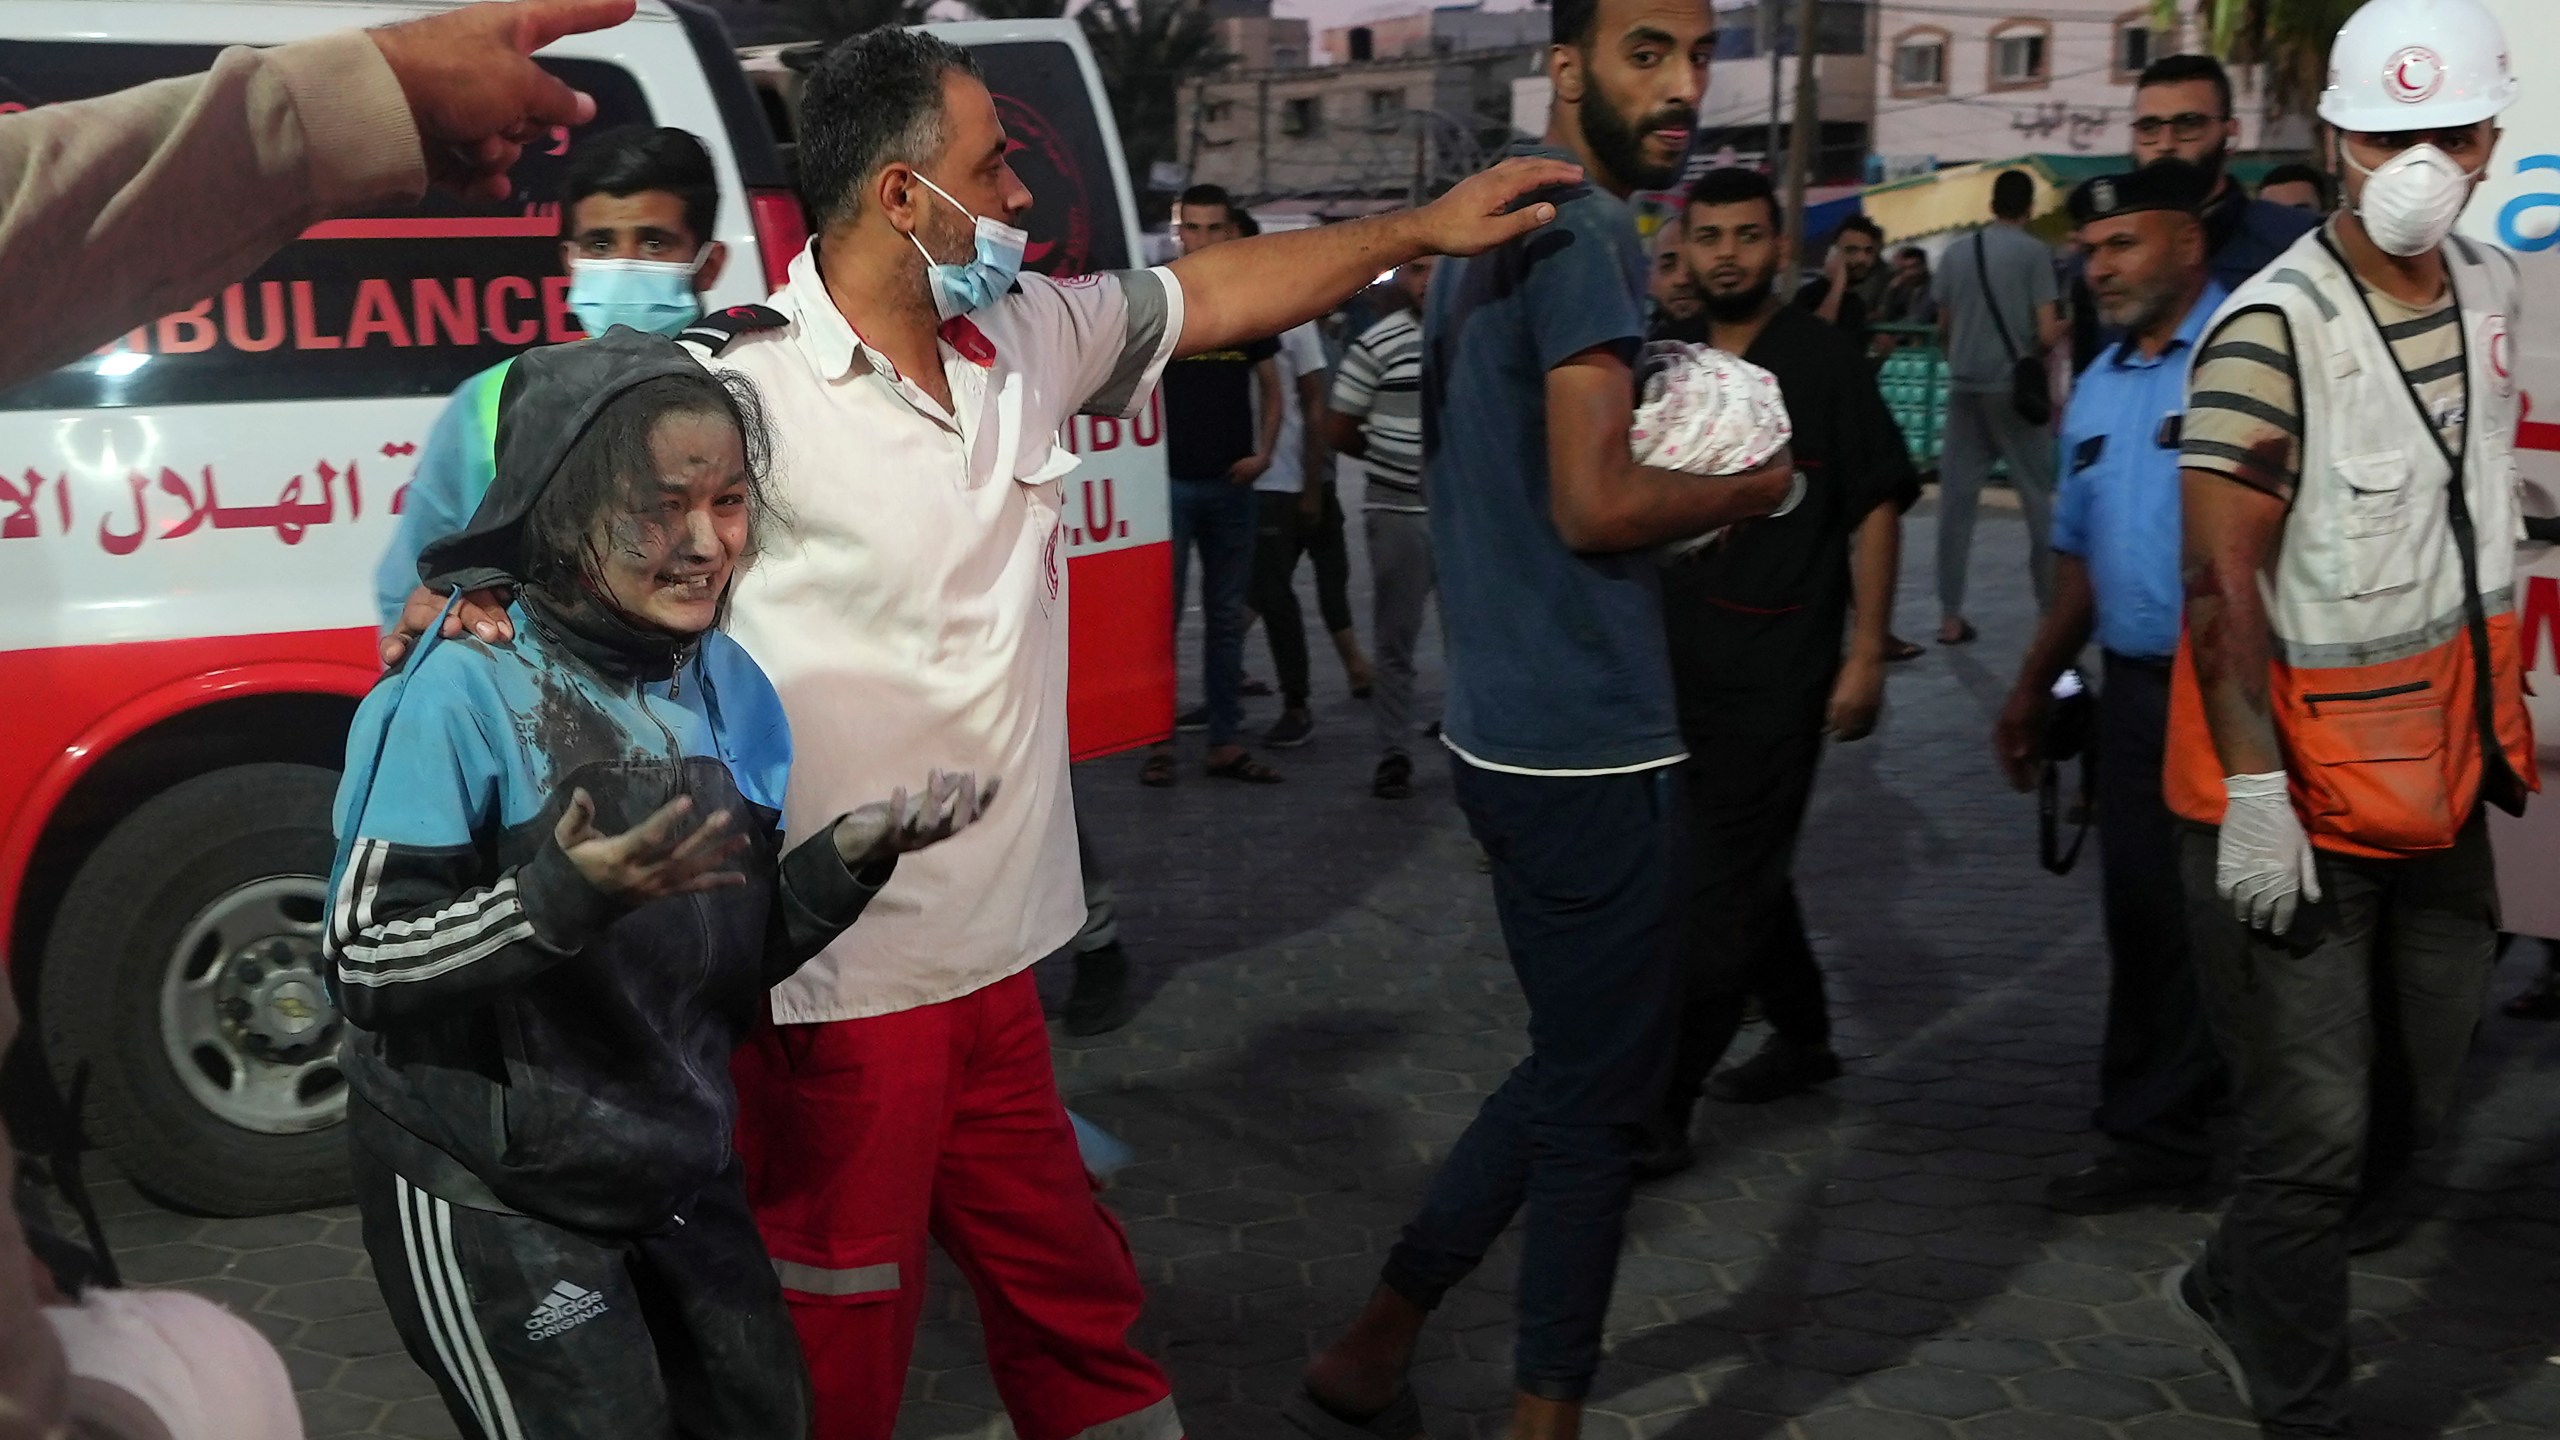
pixel 1557 661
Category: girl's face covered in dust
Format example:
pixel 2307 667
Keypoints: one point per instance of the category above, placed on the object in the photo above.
pixel 668 553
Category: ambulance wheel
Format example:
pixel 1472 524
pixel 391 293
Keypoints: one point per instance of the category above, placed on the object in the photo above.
pixel 185 970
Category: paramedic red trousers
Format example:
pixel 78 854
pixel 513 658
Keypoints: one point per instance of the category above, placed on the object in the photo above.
pixel 860 1137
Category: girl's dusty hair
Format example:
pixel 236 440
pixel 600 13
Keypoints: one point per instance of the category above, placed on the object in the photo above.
pixel 612 471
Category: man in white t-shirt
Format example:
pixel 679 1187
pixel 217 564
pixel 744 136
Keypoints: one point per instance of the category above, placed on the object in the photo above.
pixel 915 604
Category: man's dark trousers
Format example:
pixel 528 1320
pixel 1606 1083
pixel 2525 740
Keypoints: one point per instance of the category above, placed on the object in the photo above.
pixel 1282 534
pixel 2158 1074
pixel 1744 936
pixel 2346 1038
pixel 1586 884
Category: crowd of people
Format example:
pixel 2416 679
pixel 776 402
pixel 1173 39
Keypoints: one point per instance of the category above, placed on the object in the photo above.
pixel 695 850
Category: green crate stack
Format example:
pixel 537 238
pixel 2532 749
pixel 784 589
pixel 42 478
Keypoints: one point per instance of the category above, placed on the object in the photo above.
pixel 1914 380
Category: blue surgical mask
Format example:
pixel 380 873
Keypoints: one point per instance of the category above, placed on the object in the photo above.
pixel 959 289
pixel 655 297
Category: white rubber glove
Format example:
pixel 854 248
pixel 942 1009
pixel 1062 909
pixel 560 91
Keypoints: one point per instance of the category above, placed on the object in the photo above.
pixel 2264 866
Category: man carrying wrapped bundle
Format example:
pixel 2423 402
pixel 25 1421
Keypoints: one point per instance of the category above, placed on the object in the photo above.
pixel 1756 621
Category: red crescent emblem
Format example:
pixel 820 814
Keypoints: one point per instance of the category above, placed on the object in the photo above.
pixel 2414 75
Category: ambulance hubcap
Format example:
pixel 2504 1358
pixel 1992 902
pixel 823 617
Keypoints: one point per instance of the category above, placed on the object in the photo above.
pixel 245 1016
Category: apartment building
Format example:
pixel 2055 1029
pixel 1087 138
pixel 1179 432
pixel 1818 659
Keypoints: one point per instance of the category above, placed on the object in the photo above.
pixel 1958 83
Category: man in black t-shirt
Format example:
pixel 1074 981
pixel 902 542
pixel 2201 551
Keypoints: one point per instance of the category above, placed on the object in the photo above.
pixel 1219 438
pixel 1756 623
pixel 1852 283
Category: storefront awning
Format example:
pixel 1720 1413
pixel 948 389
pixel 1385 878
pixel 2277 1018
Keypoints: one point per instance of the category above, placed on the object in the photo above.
pixel 1960 198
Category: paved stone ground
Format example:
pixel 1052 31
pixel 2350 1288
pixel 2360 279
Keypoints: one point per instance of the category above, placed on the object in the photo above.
pixel 1328 1001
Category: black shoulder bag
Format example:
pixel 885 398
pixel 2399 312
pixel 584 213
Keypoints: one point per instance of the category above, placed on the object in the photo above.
pixel 2029 393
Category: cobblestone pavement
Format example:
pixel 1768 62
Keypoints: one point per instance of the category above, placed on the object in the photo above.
pixel 1328 1002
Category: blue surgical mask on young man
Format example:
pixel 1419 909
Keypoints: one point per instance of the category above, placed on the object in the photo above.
pixel 655 297
pixel 959 289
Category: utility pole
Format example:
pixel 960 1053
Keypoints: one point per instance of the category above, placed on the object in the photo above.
pixel 1262 139
pixel 1770 33
pixel 1801 149
pixel 1421 158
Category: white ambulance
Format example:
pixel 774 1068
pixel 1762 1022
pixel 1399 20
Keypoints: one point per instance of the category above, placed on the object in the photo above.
pixel 2519 208
pixel 190 517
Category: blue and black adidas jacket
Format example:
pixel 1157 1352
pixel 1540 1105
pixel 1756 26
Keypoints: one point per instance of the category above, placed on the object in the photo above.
pixel 521 1039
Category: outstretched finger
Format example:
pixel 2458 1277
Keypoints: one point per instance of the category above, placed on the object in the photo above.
pixel 712 831
pixel 577 821
pixel 944 817
pixel 1521 174
pixel 716 858
pixel 539 22
pixel 708 880
pixel 653 836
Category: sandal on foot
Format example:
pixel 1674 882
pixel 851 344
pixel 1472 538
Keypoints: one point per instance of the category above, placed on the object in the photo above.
pixel 1157 773
pixel 1897 650
pixel 1965 634
pixel 1400 1420
pixel 1245 768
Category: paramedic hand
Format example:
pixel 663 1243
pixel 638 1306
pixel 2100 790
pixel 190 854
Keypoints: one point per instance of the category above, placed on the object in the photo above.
pixel 2265 862
pixel 654 859
pixel 485 611
pixel 1477 213
pixel 476 96
pixel 885 829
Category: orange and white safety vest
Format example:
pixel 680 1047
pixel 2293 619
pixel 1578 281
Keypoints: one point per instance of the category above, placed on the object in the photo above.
pixel 2396 666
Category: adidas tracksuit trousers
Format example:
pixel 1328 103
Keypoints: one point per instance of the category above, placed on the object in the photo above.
pixel 533 1332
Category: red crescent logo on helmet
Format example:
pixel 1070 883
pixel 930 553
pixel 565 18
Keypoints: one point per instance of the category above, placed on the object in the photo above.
pixel 2414 75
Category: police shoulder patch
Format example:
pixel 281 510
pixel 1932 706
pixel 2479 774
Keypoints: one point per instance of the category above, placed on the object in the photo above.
pixel 720 329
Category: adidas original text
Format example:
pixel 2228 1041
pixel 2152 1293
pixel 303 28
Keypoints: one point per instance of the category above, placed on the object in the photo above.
pixel 565 1308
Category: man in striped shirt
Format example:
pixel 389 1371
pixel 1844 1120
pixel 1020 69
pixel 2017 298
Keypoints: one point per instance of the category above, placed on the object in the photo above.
pixel 1375 416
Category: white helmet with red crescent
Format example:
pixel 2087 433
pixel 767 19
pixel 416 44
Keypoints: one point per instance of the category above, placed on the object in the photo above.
pixel 2417 65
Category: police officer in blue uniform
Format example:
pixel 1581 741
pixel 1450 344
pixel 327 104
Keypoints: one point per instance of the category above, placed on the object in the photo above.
pixel 2182 110
pixel 2116 538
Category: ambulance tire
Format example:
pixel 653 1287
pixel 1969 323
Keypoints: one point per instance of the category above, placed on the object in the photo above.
pixel 175 860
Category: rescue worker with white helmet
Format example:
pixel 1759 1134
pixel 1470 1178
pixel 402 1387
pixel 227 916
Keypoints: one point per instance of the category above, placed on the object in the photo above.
pixel 2347 692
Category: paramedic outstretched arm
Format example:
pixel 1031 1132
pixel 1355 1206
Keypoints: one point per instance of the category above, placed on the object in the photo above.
pixel 829 878
pixel 2264 865
pixel 1246 289
pixel 130 206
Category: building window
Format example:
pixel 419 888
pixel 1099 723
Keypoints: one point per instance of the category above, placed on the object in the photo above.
pixel 1286 57
pixel 2019 55
pixel 1301 116
pixel 2137 45
pixel 1386 108
pixel 1218 112
pixel 1840 28
pixel 1920 62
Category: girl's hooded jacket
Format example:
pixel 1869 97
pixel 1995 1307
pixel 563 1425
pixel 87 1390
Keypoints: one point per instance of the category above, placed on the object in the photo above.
pixel 521 1040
